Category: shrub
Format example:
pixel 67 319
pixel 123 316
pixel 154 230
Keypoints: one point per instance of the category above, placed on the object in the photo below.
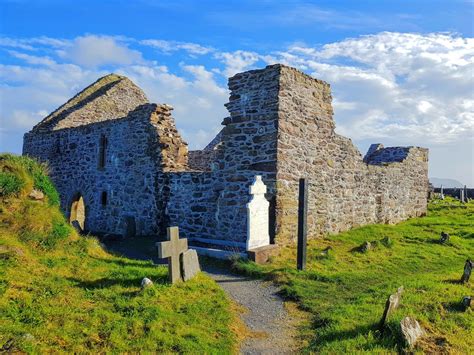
pixel 10 184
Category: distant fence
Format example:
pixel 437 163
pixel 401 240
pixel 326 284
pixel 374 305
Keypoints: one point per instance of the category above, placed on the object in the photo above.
pixel 455 192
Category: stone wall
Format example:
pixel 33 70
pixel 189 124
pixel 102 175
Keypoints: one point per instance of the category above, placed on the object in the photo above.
pixel 192 204
pixel 344 190
pixel 139 146
pixel 248 148
pixel 280 127
pixel 202 160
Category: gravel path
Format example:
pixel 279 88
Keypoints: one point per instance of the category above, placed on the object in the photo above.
pixel 266 318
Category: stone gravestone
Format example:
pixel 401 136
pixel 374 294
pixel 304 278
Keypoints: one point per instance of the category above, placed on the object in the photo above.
pixel 411 331
pixel 257 216
pixel 461 195
pixel 190 264
pixel 172 250
pixel 390 306
pixel 467 271
pixel 441 194
pixel 466 302
pixel 444 238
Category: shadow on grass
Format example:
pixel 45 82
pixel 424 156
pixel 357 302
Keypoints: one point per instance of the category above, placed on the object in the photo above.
pixel 132 262
pixel 454 307
pixel 327 336
pixel 110 282
pixel 453 281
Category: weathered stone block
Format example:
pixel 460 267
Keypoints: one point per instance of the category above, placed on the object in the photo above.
pixel 261 255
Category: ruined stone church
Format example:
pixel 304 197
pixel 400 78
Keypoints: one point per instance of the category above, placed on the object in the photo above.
pixel 121 167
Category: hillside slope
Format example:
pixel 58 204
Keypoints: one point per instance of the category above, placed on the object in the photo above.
pixel 63 292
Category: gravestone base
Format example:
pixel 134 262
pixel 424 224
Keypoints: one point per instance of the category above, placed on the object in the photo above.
pixel 261 255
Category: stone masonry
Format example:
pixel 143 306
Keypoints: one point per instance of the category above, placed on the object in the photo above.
pixel 124 156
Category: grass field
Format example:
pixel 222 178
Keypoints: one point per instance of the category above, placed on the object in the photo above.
pixel 345 291
pixel 63 293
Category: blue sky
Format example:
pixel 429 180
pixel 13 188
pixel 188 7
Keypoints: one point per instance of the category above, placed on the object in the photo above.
pixel 401 71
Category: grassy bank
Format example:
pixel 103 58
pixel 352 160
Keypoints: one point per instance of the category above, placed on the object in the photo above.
pixel 63 292
pixel 345 290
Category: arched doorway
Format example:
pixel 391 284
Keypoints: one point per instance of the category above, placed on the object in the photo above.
pixel 78 211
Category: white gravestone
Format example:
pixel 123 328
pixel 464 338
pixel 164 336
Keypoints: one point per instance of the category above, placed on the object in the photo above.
pixel 257 215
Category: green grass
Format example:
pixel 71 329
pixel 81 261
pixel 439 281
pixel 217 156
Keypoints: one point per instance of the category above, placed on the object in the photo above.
pixel 19 173
pixel 345 291
pixel 60 292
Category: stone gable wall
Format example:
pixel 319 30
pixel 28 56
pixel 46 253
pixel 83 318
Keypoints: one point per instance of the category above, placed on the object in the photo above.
pixel 138 147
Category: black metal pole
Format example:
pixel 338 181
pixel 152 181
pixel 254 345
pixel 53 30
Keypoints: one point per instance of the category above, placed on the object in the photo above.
pixel 302 218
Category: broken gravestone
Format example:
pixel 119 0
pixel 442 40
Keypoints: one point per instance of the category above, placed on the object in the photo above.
pixel 146 282
pixel 391 305
pixel 444 238
pixel 467 271
pixel 190 263
pixel 411 331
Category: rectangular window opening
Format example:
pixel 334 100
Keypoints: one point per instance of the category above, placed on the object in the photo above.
pixel 103 198
pixel 102 151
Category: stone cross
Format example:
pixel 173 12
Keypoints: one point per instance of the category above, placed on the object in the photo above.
pixel 441 194
pixel 257 216
pixel 391 305
pixel 461 195
pixel 467 271
pixel 172 249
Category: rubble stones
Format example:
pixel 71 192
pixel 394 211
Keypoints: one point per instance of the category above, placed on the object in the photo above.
pixel 36 195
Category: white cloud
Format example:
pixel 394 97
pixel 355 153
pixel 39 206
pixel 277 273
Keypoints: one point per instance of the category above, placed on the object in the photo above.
pixel 94 51
pixel 394 88
pixel 411 86
pixel 31 59
pixel 238 61
pixel 172 46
